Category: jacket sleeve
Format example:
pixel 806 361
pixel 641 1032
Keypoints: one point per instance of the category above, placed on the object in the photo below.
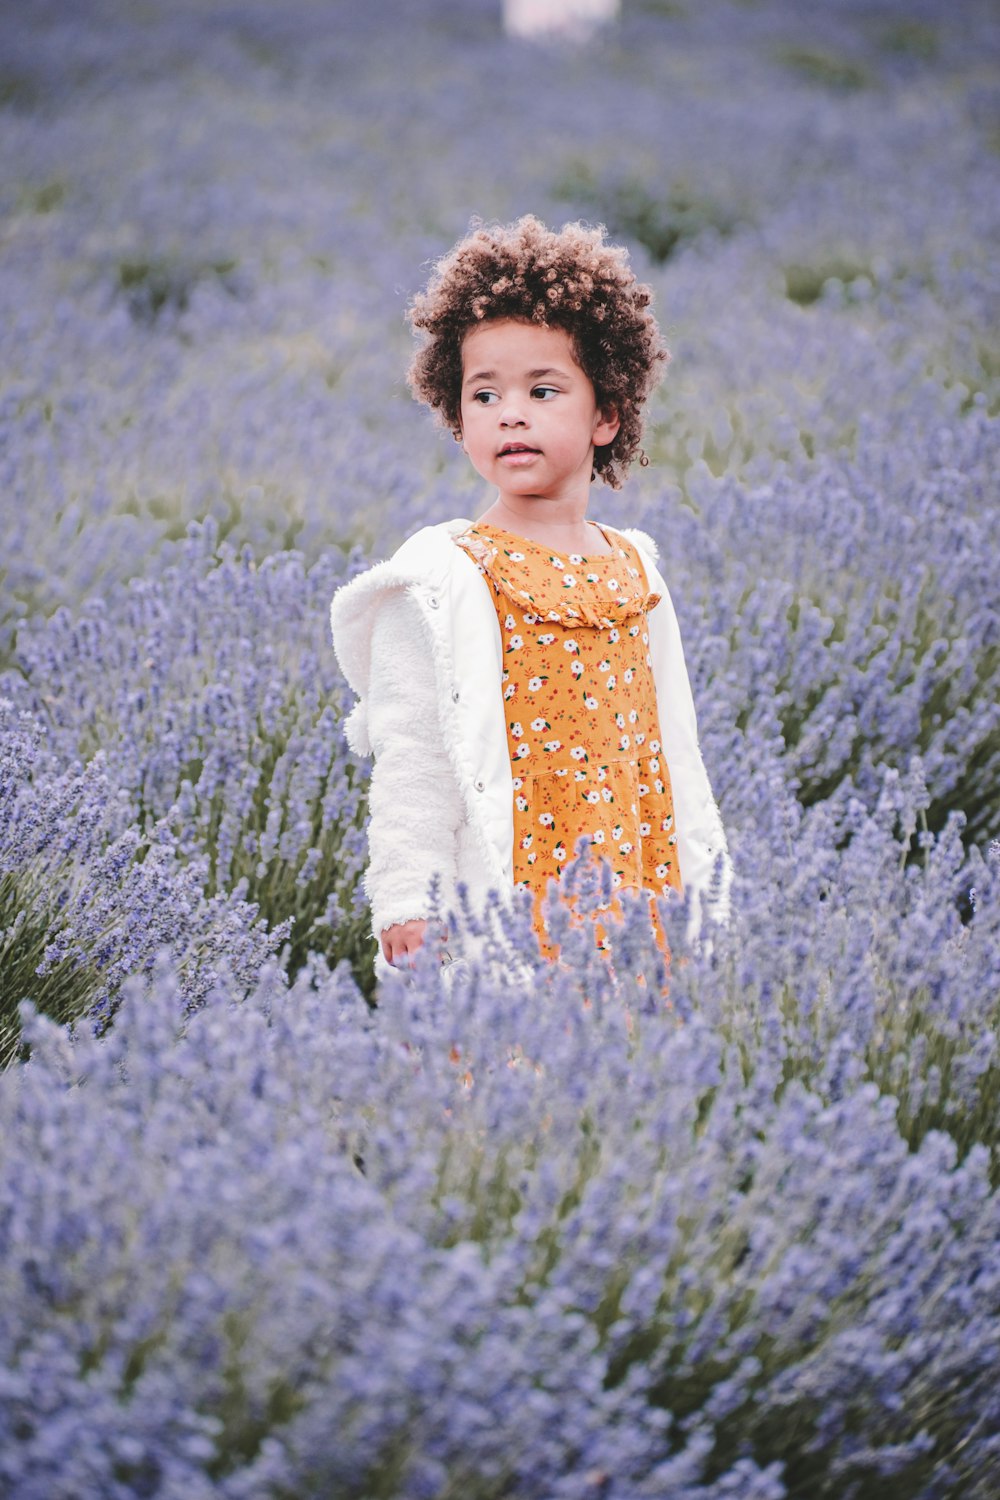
pixel 706 869
pixel 415 805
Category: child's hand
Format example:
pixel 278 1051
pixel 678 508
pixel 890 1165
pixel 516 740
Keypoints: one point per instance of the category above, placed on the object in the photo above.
pixel 401 941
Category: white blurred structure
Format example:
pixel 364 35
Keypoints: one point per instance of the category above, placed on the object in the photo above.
pixel 566 17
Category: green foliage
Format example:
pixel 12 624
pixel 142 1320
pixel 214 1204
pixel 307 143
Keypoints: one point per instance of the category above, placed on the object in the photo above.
pixel 661 219
pixel 804 283
pixel 152 285
pixel 909 38
pixel 841 74
pixel 64 990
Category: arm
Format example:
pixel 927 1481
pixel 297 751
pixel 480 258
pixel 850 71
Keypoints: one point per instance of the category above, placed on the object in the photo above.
pixel 414 804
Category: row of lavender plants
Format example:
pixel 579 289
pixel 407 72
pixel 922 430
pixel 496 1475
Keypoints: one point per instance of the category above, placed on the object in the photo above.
pixel 267 1230
pixel 537 1239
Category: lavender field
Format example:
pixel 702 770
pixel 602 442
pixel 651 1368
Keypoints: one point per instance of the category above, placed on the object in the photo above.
pixel 271 1229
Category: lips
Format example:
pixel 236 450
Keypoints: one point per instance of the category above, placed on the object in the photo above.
pixel 516 448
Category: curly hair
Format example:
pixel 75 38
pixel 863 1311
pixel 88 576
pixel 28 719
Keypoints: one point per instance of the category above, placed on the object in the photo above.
pixel 570 279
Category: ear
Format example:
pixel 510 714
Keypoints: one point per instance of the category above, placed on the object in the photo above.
pixel 606 425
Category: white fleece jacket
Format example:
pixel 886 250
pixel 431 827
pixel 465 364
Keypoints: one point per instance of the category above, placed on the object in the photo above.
pixel 418 640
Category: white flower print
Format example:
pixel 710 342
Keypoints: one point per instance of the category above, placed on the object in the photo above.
pixel 654 764
pixel 612 680
pixel 509 622
pixel 523 750
pixel 649 660
pixel 643 789
pixel 559 852
pixel 593 577
pixel 614 585
pixel 645 637
pixel 665 826
pixel 602 773
pixel 521 803
pixel 572 647
pixel 557 562
pixel 633 630
pixel 579 775
pixel 546 819
pixel 658 784
pixel 526 841
pixel 672 839
pixel 576 668
pixel 568 581
pixel 633 715
pixel 531 858
pixel 578 752
pixel 546 639
pixel 508 692
pixel 623 743
pixel 517 782
pixel 551 745
pixel 516 556
pixel 539 724
pixel 654 747
pixel 530 619
pixel 598 836
pixel 604 666
pixel 662 871
pixel 628 674
pixel 592 796
pixel 640 739
pixel 607 794
pixel 626 848
pixel 620 720
pixel 644 829
pixel 516 730
pixel 534 683
pixel 589 701
pixel 617 831
pixel 613 636
pixel 560 771
pixel 516 642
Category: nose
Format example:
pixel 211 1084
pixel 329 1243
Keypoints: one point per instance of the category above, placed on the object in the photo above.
pixel 511 414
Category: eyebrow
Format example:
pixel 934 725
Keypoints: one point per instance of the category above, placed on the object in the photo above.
pixel 532 374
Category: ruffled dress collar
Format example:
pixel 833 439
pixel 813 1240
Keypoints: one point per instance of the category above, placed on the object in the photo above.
pixel 571 588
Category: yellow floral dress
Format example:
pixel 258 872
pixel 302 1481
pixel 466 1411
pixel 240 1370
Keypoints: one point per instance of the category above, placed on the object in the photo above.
pixel 582 726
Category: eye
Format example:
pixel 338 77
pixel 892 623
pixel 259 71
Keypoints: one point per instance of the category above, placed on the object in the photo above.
pixel 543 392
pixel 485 398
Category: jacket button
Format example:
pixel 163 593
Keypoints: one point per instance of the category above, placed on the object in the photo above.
pixel 432 600
pixel 455 695
pixel 479 784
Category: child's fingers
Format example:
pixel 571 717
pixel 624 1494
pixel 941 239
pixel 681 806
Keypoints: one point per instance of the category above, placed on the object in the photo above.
pixel 406 952
pixel 401 943
pixel 402 939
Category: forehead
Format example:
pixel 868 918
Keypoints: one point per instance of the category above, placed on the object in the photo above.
pixel 509 343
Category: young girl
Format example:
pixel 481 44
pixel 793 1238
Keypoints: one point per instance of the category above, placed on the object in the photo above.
pixel 520 677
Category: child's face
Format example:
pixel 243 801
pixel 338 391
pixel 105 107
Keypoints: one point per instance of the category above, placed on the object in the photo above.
pixel 530 420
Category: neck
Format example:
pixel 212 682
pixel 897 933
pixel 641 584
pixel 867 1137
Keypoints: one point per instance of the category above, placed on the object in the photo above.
pixel 580 535
pixel 545 516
